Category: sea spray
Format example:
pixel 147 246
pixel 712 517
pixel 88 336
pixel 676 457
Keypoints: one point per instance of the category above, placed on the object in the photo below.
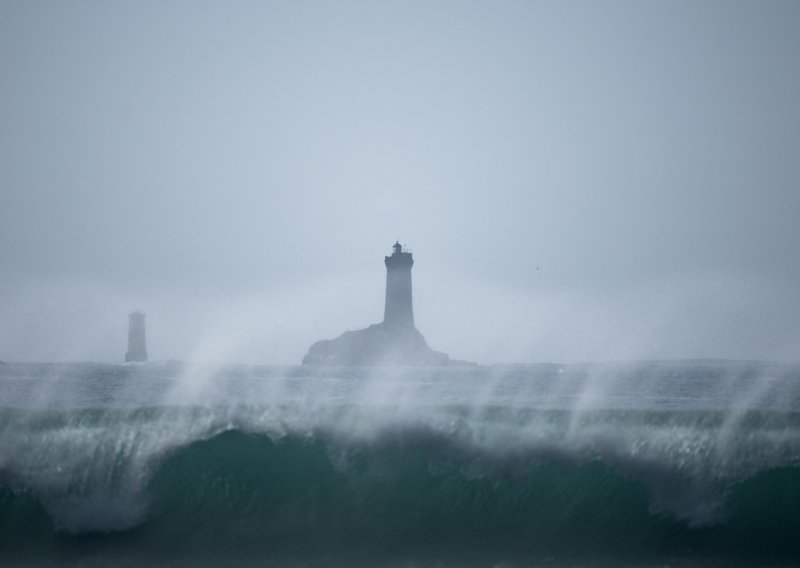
pixel 659 457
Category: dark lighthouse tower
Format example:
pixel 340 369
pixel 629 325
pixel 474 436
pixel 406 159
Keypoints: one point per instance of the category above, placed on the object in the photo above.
pixel 137 346
pixel 399 309
pixel 393 342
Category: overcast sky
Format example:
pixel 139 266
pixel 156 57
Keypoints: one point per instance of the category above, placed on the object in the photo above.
pixel 578 181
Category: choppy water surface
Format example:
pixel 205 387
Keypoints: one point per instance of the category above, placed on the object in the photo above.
pixel 651 464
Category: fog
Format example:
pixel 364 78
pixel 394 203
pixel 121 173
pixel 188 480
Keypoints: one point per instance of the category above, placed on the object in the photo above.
pixel 578 181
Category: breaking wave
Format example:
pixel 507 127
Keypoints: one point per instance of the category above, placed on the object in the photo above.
pixel 517 480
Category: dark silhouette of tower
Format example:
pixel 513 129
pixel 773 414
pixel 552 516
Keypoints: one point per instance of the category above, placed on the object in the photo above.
pixel 399 309
pixel 137 346
pixel 395 341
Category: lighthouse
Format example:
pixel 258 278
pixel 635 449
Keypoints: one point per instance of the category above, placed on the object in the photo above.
pixel 398 309
pixel 137 346
pixel 393 342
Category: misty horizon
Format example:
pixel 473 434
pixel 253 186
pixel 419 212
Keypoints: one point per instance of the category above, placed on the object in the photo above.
pixel 578 182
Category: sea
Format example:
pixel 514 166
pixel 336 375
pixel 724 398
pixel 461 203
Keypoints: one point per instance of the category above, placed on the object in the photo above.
pixel 647 464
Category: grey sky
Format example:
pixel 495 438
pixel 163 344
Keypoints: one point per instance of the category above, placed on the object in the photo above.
pixel 239 169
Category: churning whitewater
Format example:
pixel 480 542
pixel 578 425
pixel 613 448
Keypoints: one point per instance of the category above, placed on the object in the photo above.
pixel 454 466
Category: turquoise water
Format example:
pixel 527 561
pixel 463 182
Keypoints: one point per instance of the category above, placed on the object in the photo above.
pixel 650 464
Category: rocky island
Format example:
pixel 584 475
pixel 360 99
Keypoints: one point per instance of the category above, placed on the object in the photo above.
pixel 395 341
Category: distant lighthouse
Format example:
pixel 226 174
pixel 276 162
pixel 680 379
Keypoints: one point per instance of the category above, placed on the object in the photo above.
pixel 137 346
pixel 399 309
pixel 393 342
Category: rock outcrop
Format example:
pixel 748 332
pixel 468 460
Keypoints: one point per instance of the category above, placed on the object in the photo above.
pixel 381 344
